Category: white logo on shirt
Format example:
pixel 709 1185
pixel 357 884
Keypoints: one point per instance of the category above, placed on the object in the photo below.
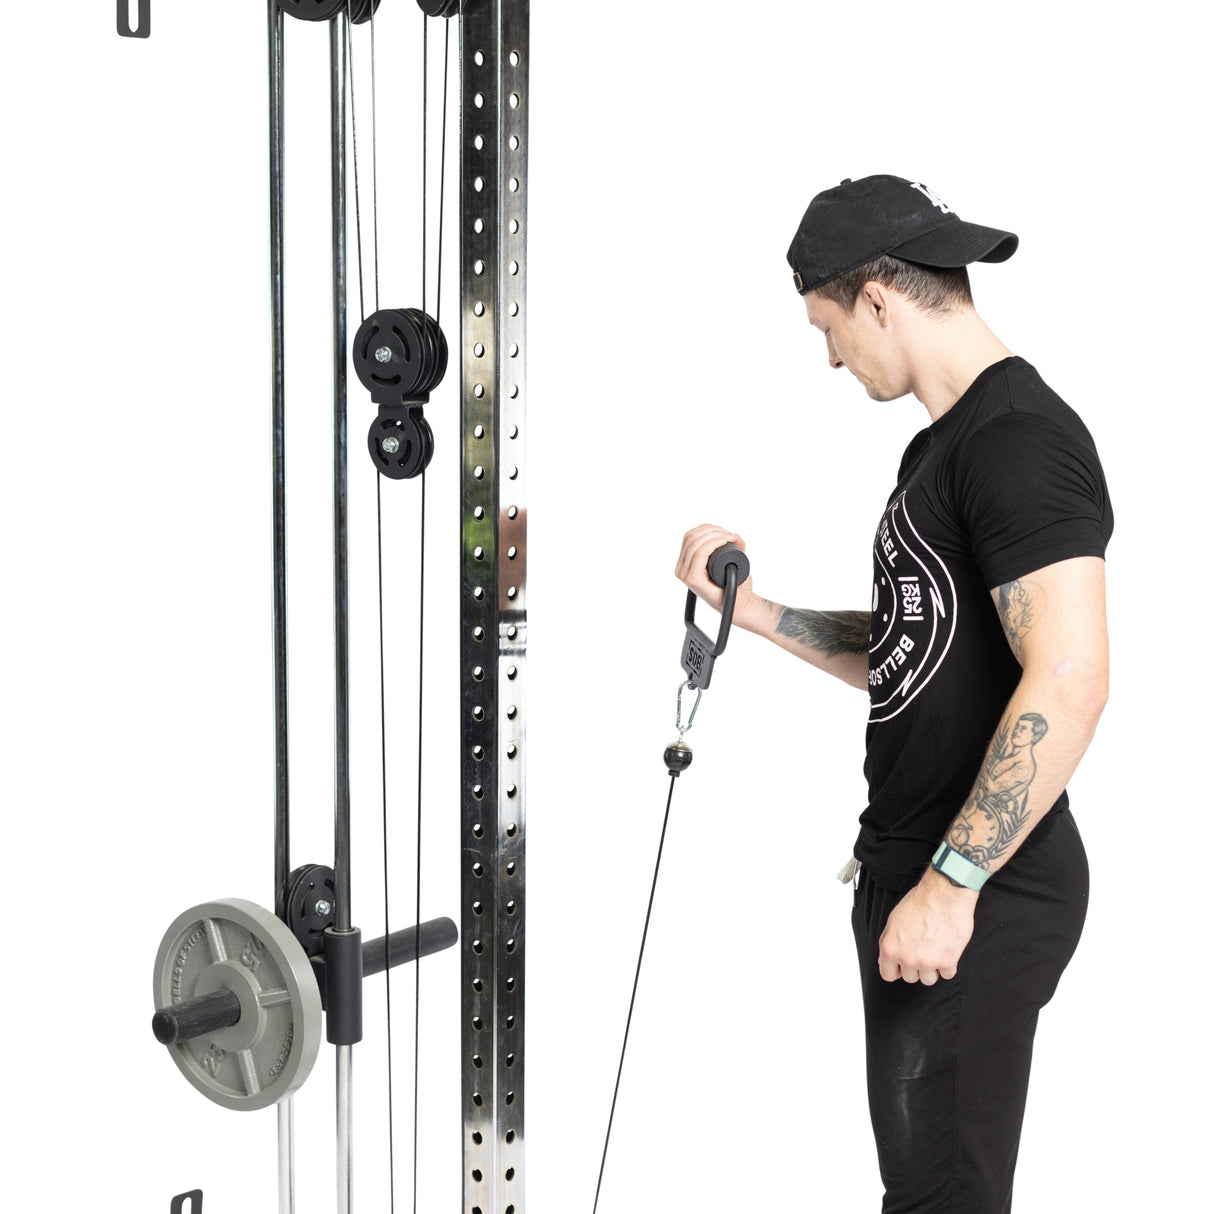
pixel 931 196
pixel 914 614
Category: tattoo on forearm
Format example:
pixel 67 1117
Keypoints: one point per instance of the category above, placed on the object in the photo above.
pixel 998 806
pixel 832 633
pixel 1016 612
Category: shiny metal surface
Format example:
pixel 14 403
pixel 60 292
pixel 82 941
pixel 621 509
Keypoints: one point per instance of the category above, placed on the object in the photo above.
pixel 493 626
pixel 286 1156
pixel 345 1129
pixel 338 61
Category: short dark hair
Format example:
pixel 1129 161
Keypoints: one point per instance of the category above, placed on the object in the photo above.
pixel 935 291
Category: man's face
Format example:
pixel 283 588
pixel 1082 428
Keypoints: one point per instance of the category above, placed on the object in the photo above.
pixel 1022 735
pixel 858 342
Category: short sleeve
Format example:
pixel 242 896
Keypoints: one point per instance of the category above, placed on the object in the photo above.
pixel 1030 492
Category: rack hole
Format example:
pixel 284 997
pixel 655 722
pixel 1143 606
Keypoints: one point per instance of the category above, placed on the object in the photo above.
pixel 510 907
pixel 478 672
pixel 478 1023
pixel 479 58
pixel 512 552
pixel 478 308
pixel 510 1176
pixel 478 713
pixel 478 908
pixel 510 984
pixel 512 672
pixel 509 1026
pixel 476 1100
pixel 514 58
pixel 478 184
pixel 512 632
pixel 476 1172
pixel 477 1060
pixel 478 832
pixel 478 985
pixel 478 948
pixel 479 472
pixel 479 553
pixel 514 148
pixel 478 266
pixel 478 634
pixel 509 1097
pixel 478 512
pixel 510 868
pixel 514 309
pixel 514 429
pixel 512 712
pixel 478 431
pixel 477 791
pixel 478 869
pixel 478 391
pixel 478 593
pixel 514 351
pixel 478 100
pixel 510 949
pixel 478 142
pixel 476 1137
pixel 511 751
pixel 510 830
pixel 512 512
pixel 514 101
pixel 478 753
pixel 478 350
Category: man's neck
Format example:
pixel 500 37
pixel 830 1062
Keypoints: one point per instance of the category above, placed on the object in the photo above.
pixel 951 354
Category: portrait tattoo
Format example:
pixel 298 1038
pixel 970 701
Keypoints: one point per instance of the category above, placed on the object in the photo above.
pixel 832 633
pixel 998 806
pixel 1015 614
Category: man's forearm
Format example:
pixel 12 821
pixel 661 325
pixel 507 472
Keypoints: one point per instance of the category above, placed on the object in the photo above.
pixel 1034 753
pixel 833 641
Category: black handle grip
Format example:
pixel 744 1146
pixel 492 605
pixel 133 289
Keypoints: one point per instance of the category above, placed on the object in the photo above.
pixel 722 558
pixel 728 568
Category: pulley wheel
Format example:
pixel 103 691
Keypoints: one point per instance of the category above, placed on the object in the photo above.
pixel 391 355
pixel 361 10
pixel 439 8
pixel 237 945
pixel 312 10
pixel 400 442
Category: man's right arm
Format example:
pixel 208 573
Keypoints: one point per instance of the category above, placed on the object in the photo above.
pixel 833 641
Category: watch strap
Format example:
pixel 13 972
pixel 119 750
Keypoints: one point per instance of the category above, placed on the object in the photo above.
pixel 957 868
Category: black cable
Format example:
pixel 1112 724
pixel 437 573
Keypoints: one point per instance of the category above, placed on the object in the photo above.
pixel 632 1001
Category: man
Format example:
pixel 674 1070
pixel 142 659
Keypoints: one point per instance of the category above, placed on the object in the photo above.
pixel 985 657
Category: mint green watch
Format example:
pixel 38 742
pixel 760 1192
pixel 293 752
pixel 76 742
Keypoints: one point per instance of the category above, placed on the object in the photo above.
pixel 957 868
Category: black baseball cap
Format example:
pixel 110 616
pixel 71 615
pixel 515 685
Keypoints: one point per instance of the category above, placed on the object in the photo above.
pixel 859 221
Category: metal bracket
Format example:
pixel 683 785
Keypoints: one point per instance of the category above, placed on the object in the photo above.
pixel 493 624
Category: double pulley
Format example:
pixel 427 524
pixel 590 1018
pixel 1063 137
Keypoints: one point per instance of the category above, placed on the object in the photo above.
pixel 360 10
pixel 400 357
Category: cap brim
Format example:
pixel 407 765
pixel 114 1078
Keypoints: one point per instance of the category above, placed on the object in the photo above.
pixel 958 244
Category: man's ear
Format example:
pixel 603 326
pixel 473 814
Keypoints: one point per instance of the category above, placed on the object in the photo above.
pixel 876 299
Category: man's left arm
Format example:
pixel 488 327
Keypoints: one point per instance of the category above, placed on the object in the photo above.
pixel 1054 620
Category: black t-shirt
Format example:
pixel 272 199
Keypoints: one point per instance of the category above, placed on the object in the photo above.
pixel 1006 482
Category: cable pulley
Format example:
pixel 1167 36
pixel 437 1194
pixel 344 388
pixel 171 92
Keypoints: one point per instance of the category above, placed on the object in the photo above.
pixel 439 8
pixel 400 356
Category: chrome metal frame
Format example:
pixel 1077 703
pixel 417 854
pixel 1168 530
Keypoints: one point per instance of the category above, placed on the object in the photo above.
pixel 493 624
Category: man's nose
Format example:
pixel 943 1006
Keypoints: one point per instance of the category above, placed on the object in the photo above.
pixel 832 354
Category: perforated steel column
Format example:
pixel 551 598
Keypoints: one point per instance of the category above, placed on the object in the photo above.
pixel 493 236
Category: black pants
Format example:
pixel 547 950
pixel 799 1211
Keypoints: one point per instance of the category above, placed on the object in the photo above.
pixel 948 1065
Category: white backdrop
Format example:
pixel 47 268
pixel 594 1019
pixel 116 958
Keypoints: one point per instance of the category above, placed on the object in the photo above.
pixel 672 380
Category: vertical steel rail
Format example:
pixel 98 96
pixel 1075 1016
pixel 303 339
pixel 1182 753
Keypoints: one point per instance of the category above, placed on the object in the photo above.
pixel 493 628
pixel 282 815
pixel 338 51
